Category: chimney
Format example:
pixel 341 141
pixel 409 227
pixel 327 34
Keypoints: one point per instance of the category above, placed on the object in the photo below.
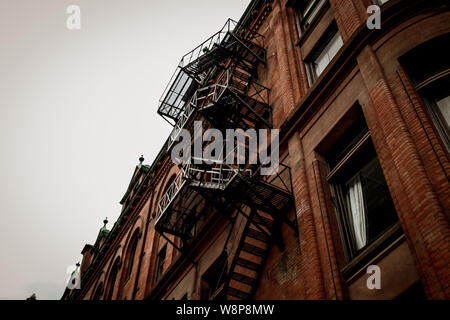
pixel 87 257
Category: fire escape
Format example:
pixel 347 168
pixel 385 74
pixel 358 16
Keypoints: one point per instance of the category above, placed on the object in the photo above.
pixel 216 82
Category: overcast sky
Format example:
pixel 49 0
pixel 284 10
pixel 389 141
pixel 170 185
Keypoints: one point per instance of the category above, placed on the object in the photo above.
pixel 77 109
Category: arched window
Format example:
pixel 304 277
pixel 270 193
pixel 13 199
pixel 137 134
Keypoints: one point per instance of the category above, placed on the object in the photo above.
pixel 112 279
pixel 98 292
pixel 428 67
pixel 160 261
pixel 168 184
pixel 131 254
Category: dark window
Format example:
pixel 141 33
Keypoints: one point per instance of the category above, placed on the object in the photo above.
pixel 132 254
pixel 161 259
pixel 363 202
pixel 307 12
pixel 437 99
pixel 112 280
pixel 213 280
pixel 429 69
pixel 98 293
pixel 380 2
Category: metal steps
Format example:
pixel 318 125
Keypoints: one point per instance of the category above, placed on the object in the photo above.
pixel 252 249
pixel 248 261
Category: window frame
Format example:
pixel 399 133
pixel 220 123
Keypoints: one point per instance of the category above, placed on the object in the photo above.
pixel 131 255
pixel 354 257
pixel 112 279
pixel 319 49
pixel 438 119
pixel 212 288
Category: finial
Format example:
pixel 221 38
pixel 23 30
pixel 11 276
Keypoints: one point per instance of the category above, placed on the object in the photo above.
pixel 105 221
pixel 141 159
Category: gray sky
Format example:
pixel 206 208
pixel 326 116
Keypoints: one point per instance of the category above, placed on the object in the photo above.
pixel 77 108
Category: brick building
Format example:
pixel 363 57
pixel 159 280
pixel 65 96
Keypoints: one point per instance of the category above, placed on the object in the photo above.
pixel 364 167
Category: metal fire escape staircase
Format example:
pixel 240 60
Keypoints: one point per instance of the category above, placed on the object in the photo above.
pixel 231 102
pixel 267 201
pixel 215 81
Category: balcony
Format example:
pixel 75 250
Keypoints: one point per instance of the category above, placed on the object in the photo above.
pixel 244 47
pixel 178 210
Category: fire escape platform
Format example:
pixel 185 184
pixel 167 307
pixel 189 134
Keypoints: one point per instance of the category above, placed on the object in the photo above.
pixel 177 214
pixel 217 82
pixel 243 47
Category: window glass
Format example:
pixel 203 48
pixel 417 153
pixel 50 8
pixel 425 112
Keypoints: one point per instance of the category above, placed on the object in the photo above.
pixel 307 12
pixel 370 210
pixel 160 263
pixel 436 96
pixel 131 255
pixel 327 54
pixel 363 202
pixel 428 67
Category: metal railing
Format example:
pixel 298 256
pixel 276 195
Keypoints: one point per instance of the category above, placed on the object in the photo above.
pixel 177 90
pixel 219 38
pixel 216 175
pixel 182 120
pixel 281 179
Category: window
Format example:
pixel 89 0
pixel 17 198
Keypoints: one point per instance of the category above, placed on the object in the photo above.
pixel 161 259
pixel 362 199
pixel 380 2
pixel 327 54
pixel 323 56
pixel 307 12
pixel 437 98
pixel 131 254
pixel 184 298
pixel 429 69
pixel 213 280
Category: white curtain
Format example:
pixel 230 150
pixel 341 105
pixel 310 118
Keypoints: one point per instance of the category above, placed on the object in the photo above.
pixel 444 107
pixel 357 212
